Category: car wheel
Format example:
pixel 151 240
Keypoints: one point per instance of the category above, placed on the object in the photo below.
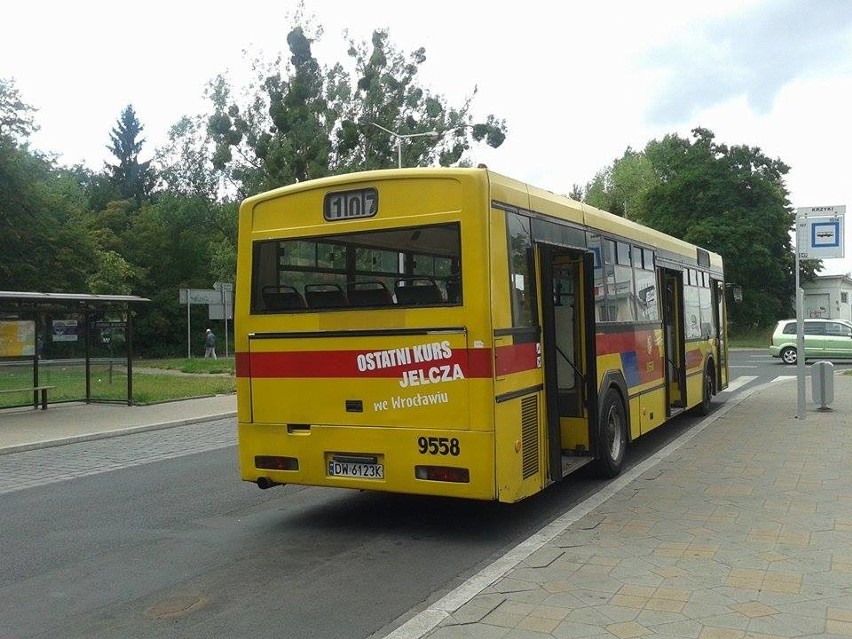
pixel 789 355
pixel 612 434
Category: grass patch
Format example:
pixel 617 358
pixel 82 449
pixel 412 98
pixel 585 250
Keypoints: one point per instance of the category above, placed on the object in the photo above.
pixel 196 366
pixel 751 338
pixel 109 382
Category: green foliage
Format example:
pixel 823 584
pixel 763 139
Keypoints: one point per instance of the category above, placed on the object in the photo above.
pixel 43 244
pixel 730 200
pixel 152 382
pixel 185 163
pixel 747 337
pixel 16 116
pixel 391 114
pixel 283 135
pixel 623 187
pixel 197 366
pixel 113 277
pixel 304 120
pixel 130 177
pixel 172 241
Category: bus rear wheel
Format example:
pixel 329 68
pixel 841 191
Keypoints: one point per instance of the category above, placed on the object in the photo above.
pixel 612 434
pixel 707 385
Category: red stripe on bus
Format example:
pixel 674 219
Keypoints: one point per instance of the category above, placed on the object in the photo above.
pixel 516 358
pixel 346 364
pixel 609 343
pixel 693 358
pixel 640 354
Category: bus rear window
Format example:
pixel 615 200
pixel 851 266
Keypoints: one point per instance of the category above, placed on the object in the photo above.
pixel 406 267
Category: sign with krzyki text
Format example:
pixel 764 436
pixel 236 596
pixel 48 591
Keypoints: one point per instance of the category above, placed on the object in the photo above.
pixel 820 232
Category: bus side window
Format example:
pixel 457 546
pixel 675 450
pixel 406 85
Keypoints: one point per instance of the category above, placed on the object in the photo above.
pixel 521 292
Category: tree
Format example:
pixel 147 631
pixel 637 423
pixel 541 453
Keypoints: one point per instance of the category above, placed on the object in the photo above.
pixel 185 163
pixel 16 116
pixel 133 179
pixel 113 277
pixel 174 242
pixel 283 135
pixel 622 187
pixel 731 200
pixel 387 97
pixel 43 244
pixel 306 121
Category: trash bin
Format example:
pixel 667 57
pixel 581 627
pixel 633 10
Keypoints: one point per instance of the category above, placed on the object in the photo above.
pixel 822 383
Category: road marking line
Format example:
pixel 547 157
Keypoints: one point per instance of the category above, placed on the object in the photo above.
pixel 782 378
pixel 739 382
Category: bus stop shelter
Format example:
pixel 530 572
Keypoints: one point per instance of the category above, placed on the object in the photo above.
pixel 75 346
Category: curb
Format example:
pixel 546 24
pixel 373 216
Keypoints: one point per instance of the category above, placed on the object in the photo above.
pixel 113 433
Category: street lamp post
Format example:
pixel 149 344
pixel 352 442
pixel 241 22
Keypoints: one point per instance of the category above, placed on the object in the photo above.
pixel 400 137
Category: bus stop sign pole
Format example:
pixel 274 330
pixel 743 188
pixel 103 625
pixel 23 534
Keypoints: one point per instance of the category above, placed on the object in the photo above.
pixel 819 235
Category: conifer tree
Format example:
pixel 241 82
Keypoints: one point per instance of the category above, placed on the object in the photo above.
pixel 133 179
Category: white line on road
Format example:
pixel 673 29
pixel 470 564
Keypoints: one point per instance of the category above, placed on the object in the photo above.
pixel 739 382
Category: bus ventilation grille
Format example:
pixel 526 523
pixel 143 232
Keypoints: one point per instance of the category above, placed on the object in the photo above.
pixel 529 435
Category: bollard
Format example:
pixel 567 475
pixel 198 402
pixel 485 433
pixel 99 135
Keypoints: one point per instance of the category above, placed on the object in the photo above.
pixel 822 384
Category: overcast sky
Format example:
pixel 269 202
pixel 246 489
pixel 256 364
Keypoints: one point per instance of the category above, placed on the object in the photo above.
pixel 577 83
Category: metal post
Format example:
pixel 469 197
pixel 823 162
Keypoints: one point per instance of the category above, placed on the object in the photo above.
pixel 88 352
pixel 128 342
pixel 399 137
pixel 800 333
pixel 188 330
pixel 39 331
pixel 225 295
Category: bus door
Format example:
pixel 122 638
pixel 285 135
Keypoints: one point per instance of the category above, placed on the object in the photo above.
pixel 674 339
pixel 720 349
pixel 569 355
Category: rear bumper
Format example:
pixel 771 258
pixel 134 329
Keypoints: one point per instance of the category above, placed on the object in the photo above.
pixel 397 449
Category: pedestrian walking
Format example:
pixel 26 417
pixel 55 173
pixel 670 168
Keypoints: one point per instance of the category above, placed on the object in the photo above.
pixel 210 345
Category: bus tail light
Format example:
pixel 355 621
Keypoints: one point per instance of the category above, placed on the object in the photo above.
pixel 443 473
pixel 273 462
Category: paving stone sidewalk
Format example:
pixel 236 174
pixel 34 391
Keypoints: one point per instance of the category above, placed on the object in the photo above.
pixel 744 531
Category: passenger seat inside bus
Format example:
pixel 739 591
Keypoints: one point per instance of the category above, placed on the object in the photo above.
pixel 417 291
pixel 370 293
pixel 282 298
pixel 325 295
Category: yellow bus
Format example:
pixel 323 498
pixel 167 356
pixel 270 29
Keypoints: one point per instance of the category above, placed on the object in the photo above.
pixel 455 332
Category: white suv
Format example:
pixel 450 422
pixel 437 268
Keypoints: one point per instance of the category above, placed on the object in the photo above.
pixel 824 339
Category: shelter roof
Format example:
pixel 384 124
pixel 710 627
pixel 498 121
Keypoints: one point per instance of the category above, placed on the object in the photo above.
pixel 85 300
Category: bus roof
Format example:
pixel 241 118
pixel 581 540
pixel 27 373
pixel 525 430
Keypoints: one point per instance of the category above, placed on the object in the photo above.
pixel 513 192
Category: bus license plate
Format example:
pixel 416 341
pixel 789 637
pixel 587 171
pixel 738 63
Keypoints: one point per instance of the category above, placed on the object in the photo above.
pixel 351 469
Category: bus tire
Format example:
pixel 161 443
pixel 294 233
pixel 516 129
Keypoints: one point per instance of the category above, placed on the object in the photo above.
pixel 703 408
pixel 612 434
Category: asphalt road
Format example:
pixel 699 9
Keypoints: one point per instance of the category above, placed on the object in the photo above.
pixel 153 535
pixel 180 547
